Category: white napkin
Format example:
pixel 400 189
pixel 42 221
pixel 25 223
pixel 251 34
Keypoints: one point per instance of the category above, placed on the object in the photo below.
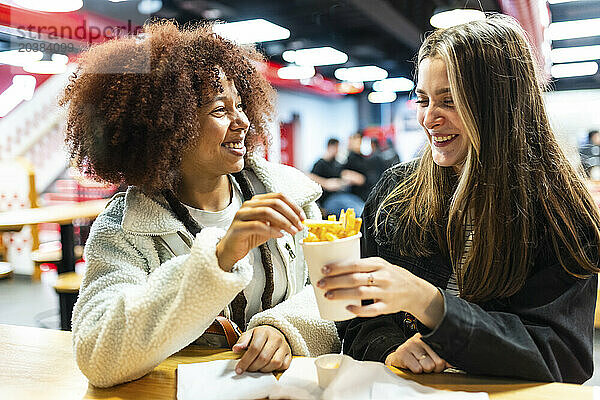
pixel 420 392
pixel 298 382
pixel 217 380
pixel 356 380
pixel 359 380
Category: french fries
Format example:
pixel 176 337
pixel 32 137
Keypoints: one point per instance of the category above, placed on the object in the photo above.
pixel 329 230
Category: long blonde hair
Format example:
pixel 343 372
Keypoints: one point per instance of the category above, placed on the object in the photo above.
pixel 516 182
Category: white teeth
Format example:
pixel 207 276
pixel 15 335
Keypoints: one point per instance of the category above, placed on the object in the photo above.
pixel 237 145
pixel 443 138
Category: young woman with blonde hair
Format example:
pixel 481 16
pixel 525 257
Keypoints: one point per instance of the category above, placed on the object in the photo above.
pixel 483 253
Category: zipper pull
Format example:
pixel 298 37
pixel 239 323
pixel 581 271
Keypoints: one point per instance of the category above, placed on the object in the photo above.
pixel 289 249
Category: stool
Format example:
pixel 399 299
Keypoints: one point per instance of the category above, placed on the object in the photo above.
pixel 54 256
pixel 67 287
pixel 5 270
pixel 40 257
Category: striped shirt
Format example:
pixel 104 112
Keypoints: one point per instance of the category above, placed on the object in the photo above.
pixel 452 286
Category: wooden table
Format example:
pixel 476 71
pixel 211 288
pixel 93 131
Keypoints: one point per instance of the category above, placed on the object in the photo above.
pixel 61 214
pixel 38 364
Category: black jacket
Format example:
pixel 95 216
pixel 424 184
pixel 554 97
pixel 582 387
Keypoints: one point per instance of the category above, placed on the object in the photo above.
pixel 544 332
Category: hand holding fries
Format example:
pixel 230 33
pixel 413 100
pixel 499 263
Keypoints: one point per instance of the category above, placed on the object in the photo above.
pixel 261 218
pixel 331 241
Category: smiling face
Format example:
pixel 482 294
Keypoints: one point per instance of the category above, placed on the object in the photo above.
pixel 223 126
pixel 437 114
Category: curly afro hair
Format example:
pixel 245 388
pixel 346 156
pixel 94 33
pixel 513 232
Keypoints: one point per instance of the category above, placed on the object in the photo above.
pixel 133 102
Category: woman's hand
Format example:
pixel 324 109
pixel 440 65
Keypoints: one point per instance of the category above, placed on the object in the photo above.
pixel 392 289
pixel 417 356
pixel 259 219
pixel 266 350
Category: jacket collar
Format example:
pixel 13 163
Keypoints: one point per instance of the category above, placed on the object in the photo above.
pixel 146 215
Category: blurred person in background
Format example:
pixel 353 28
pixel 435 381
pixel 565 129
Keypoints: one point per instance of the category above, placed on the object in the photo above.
pixel 376 159
pixel 590 155
pixel 360 164
pixel 483 254
pixel 390 155
pixel 335 181
pixel 382 158
pixel 207 227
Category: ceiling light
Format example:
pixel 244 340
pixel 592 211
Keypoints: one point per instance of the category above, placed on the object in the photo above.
pixel 20 58
pixel 296 72
pixel 571 54
pixel 58 65
pixel 394 85
pixel 50 6
pixel 60 58
pixel 45 67
pixel 361 74
pixel 251 31
pixel 212 13
pixel 574 29
pixel 149 6
pixel 381 97
pixel 21 89
pixel 349 87
pixel 315 56
pixel 457 16
pixel 574 69
pixel 289 56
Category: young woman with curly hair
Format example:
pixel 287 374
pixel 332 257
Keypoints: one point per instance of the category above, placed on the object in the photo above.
pixel 483 253
pixel 207 227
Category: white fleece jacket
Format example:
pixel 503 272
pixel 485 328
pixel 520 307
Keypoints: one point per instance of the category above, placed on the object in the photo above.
pixel 138 303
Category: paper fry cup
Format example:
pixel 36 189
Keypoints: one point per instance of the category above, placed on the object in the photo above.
pixel 318 254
